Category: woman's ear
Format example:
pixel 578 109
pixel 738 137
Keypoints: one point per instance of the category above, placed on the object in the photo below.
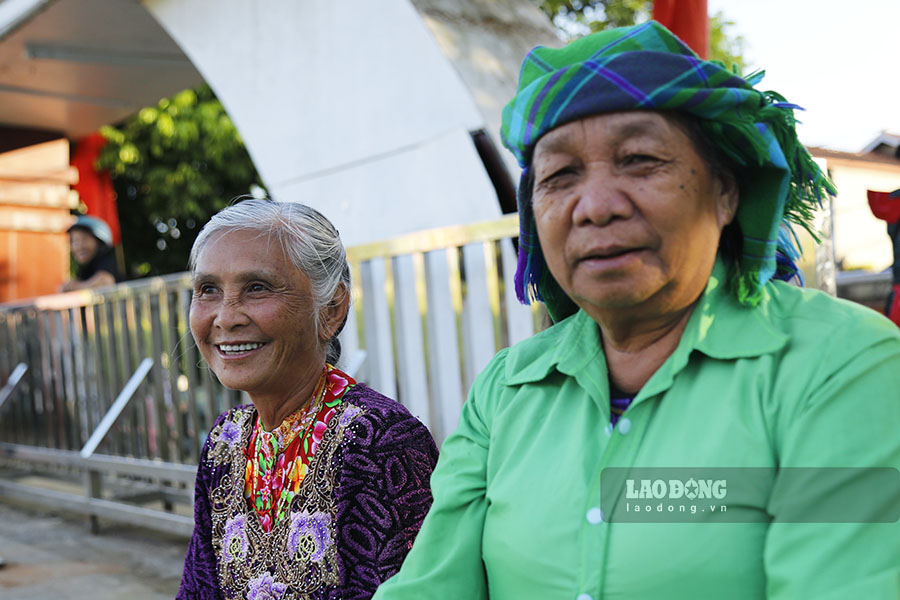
pixel 334 314
pixel 728 198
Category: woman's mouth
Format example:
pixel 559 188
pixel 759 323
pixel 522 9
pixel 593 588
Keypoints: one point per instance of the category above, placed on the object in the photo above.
pixel 611 254
pixel 613 258
pixel 238 349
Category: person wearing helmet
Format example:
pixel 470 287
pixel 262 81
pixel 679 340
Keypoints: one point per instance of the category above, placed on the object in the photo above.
pixel 90 240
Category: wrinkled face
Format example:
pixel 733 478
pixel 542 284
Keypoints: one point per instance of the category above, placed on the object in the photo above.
pixel 84 246
pixel 252 314
pixel 627 212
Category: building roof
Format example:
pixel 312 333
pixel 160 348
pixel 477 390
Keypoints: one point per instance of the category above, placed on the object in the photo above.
pixel 70 66
pixel 867 157
pixel 886 143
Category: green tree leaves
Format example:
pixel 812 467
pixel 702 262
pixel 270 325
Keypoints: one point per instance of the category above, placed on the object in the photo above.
pixel 723 46
pixel 173 165
pixel 575 18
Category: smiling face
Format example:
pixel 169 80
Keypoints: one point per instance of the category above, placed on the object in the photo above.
pixel 83 244
pixel 253 316
pixel 628 213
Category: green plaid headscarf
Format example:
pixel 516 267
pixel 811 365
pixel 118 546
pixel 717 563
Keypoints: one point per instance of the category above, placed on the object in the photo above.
pixel 645 67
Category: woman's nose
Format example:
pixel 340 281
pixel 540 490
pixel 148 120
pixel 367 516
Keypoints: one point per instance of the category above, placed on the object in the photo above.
pixel 602 199
pixel 231 314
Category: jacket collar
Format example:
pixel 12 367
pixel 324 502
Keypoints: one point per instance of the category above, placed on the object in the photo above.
pixel 719 327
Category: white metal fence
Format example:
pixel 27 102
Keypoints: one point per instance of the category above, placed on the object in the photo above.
pixel 109 383
pixel 432 308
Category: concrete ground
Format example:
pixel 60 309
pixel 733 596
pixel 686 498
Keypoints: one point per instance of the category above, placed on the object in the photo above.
pixel 54 556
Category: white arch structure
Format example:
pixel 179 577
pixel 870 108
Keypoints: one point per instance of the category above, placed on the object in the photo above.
pixel 355 107
pixel 362 108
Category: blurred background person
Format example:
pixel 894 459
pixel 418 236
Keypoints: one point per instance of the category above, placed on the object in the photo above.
pixel 886 206
pixel 90 241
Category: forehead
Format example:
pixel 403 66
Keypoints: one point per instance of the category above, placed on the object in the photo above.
pixel 238 251
pixel 610 128
pixel 80 233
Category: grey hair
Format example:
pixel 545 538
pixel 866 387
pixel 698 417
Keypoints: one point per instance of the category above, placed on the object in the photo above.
pixel 309 240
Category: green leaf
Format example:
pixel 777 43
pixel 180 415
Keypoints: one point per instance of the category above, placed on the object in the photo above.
pixel 574 18
pixel 181 159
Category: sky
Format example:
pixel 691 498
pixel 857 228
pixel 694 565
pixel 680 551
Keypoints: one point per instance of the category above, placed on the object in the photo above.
pixel 839 59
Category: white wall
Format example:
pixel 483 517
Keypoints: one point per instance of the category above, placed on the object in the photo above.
pixel 486 41
pixel 346 105
pixel 438 182
pixel 860 239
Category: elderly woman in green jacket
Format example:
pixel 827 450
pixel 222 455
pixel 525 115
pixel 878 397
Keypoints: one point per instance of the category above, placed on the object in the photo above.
pixel 691 426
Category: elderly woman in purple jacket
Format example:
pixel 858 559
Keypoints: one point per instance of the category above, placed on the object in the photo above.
pixel 318 488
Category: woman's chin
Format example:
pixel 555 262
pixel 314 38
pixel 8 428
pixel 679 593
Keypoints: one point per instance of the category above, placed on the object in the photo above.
pixel 623 292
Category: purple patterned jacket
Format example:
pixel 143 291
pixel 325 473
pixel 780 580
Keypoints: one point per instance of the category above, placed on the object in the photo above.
pixel 351 524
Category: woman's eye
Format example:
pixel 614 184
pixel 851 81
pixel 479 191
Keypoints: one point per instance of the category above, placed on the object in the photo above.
pixel 257 287
pixel 557 175
pixel 204 290
pixel 639 159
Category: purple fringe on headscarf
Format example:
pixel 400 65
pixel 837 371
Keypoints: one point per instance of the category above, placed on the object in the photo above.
pixel 529 245
pixel 521 270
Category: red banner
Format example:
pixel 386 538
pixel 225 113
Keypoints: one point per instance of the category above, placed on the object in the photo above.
pixel 94 187
pixel 688 20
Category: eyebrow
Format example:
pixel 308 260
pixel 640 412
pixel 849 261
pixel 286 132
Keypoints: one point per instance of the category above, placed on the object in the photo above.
pixel 552 144
pixel 201 277
pixel 635 128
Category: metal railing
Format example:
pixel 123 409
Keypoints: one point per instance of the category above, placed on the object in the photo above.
pixel 111 370
pixel 108 388
pixel 864 287
pixel 107 385
pixel 432 308
pixel 81 348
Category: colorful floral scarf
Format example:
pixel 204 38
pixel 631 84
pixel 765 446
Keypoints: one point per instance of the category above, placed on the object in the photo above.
pixel 278 460
pixel 645 67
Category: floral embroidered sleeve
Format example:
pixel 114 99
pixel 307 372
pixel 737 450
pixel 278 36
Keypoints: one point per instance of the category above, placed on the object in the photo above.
pixel 199 580
pixel 383 494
